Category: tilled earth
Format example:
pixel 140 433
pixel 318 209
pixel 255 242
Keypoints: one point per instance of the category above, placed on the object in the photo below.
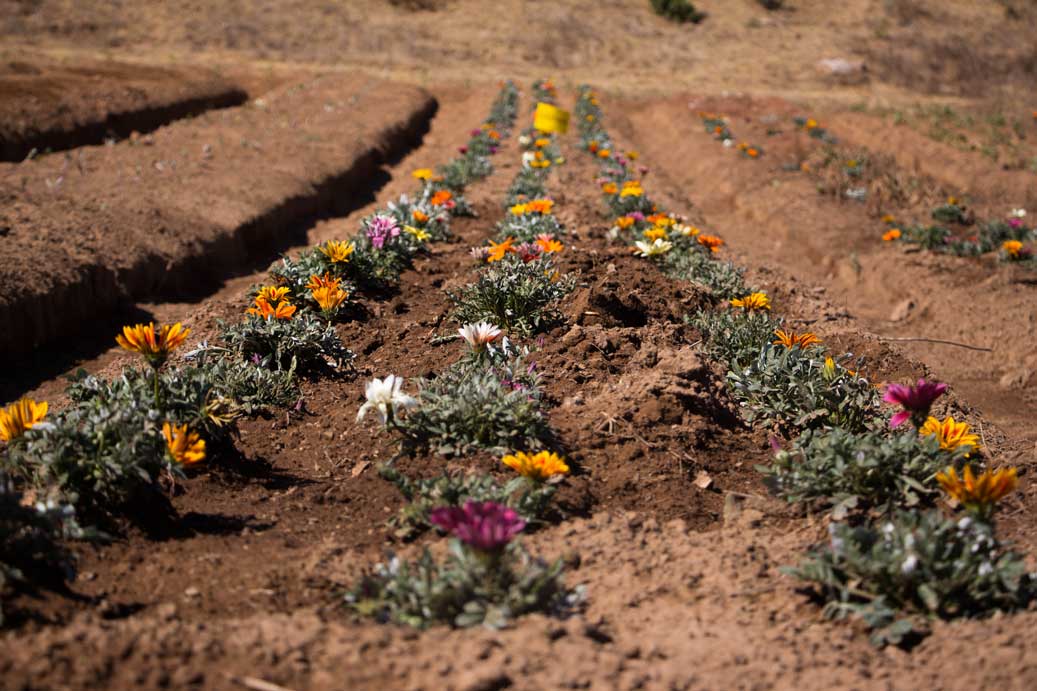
pixel 238 582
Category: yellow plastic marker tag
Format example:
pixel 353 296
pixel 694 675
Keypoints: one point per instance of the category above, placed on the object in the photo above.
pixel 550 119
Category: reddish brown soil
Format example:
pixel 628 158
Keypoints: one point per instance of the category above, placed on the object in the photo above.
pixel 167 215
pixel 243 581
pixel 46 105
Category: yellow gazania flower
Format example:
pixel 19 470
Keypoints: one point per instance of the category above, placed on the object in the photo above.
pixel 184 447
pixel 888 218
pixel 978 495
pixel 631 191
pixel 590 118
pixel 811 124
pixel 951 435
pixel 633 155
pixel 655 232
pixel 418 233
pixel 419 216
pixel 330 298
pixel 422 174
pixel 712 242
pixel 264 309
pixel 753 302
pixel 1012 247
pixel 891 235
pixel 609 188
pixel 499 249
pixel 791 339
pixel 154 347
pixel 952 201
pixel 337 251
pixel 273 293
pixel 549 245
pixel 20 416
pixel 321 281
pixel 517 209
pixel 539 164
pixel 538 467
pixel 829 368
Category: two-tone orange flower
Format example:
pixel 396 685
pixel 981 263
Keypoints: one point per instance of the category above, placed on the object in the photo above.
pixel 655 233
pixel 624 222
pixel 539 206
pixel 20 416
pixel 891 235
pixel 1012 248
pixel 273 293
pixel 610 188
pixel 538 467
pixel 185 447
pixel 266 310
pixel 419 216
pixel 979 495
pixel 329 297
pixel 321 281
pixel 154 346
pixel 791 339
pixel 753 302
pixel 952 435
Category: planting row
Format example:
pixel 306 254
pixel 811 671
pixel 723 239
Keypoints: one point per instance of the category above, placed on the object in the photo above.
pixel 892 559
pixel 489 400
pixel 122 444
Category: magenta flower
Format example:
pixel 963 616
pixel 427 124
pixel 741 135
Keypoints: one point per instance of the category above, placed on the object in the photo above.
pixel 483 526
pixel 462 149
pixel 381 228
pixel 916 400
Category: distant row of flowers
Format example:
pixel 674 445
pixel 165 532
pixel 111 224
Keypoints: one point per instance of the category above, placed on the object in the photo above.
pixel 906 566
pixel 956 231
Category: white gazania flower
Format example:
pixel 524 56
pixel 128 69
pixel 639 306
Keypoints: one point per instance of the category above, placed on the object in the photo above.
pixel 525 140
pixel 384 395
pixel 659 246
pixel 1017 213
pixel 478 335
pixel 685 230
pixel 728 143
pixel 528 158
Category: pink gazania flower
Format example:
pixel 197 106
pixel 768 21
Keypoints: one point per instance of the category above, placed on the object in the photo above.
pixel 380 229
pixel 462 149
pixel 527 251
pixel 479 253
pixel 637 216
pixel 483 526
pixel 916 400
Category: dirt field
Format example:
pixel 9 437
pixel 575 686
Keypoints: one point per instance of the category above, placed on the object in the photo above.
pixel 240 581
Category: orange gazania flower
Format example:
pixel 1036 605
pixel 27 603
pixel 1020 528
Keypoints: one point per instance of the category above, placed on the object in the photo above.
pixel 419 216
pixel 891 235
pixel 609 188
pixel 624 222
pixel 952 435
pixel 155 347
pixel 264 309
pixel 604 153
pixel 593 146
pixel 979 495
pixel 273 293
pixel 540 206
pixel 548 244
pixel 184 447
pixel 541 143
pixel 20 416
pixel 441 197
pixel 753 302
pixel 791 339
pixel 329 297
pixel 753 153
pixel 1012 247
pixel 499 249
pixel 710 241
